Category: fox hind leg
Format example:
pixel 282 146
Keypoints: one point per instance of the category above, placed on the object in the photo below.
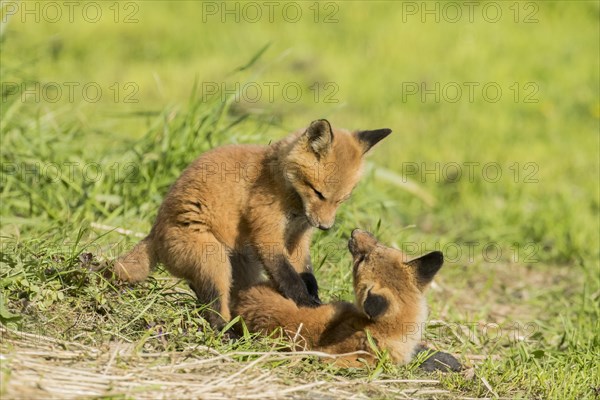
pixel 208 295
pixel 204 262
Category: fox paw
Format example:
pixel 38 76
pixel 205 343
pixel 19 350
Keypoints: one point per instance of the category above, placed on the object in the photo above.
pixel 438 361
pixel 309 301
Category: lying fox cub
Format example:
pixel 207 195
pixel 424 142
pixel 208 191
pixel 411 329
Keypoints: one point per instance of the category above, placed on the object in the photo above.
pixel 390 305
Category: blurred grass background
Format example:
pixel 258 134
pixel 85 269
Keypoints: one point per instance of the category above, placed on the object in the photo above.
pixel 355 63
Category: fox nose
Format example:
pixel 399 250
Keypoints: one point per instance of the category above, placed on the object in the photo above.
pixel 361 242
pixel 355 232
pixel 324 227
pixel 358 234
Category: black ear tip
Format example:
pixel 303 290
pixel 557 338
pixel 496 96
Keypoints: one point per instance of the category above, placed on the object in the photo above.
pixel 382 133
pixel 321 122
pixel 427 266
pixel 437 256
pixel 371 138
pixel 379 133
pixel 434 261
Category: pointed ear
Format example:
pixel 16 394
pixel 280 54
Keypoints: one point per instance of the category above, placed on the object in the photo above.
pixel 320 136
pixel 375 305
pixel 369 139
pixel 427 266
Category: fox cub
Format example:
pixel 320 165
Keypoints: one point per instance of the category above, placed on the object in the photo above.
pixel 241 209
pixel 390 305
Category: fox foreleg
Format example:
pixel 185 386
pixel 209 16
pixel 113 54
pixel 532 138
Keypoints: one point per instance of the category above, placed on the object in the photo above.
pixel 301 288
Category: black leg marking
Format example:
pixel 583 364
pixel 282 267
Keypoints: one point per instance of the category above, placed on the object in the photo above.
pixel 438 361
pixel 289 282
pixel 311 285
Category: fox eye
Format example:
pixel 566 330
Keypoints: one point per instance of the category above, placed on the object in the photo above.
pixel 319 194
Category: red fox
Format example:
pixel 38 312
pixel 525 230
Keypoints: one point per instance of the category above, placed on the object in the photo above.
pixel 390 306
pixel 241 209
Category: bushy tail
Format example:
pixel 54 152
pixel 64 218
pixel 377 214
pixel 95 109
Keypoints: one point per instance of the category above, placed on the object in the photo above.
pixel 136 265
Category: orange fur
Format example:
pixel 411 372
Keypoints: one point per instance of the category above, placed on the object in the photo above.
pixel 390 305
pixel 241 209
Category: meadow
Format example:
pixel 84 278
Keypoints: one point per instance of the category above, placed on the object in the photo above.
pixel 493 159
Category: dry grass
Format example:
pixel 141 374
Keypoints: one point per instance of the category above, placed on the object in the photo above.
pixel 36 366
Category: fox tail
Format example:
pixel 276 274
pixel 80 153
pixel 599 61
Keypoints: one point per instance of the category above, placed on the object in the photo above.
pixel 135 266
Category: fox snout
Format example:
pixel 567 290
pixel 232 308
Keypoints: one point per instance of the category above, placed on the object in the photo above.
pixel 360 243
pixel 320 216
pixel 317 222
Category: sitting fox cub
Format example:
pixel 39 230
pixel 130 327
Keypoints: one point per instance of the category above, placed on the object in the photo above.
pixel 390 305
pixel 241 208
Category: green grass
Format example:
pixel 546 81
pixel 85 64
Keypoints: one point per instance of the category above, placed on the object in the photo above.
pixel 520 288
